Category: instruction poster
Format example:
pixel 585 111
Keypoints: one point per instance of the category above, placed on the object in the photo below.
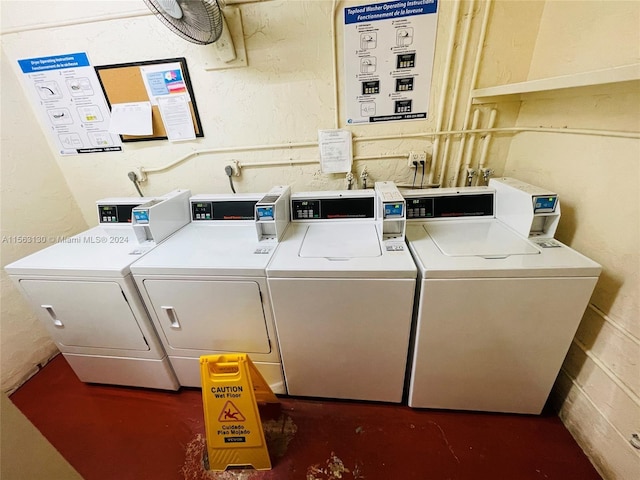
pixel 388 52
pixel 70 101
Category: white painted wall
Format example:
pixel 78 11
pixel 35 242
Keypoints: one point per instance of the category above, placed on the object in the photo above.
pixel 598 180
pixel 284 96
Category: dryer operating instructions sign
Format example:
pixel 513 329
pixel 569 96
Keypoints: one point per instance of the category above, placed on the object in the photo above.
pixel 67 94
pixel 388 54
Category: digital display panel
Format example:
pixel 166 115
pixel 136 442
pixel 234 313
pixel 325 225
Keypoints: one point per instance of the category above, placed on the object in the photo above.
pixel 333 208
pixel 141 216
pixel 450 206
pixel 545 204
pixel 393 210
pixel 265 213
pixel 223 210
pixel 115 213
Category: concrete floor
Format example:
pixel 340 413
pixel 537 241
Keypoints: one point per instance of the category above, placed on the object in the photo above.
pixel 124 433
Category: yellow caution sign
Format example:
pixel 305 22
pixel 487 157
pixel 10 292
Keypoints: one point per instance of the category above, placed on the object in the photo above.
pixel 232 387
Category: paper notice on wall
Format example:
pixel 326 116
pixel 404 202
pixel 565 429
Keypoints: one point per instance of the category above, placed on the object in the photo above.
pixel 67 95
pixel 164 80
pixel 131 118
pixel 335 151
pixel 176 116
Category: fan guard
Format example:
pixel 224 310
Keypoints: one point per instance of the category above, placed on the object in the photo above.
pixel 197 21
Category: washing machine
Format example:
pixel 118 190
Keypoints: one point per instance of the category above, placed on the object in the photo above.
pixel 342 285
pixel 206 289
pixel 499 299
pixel 82 290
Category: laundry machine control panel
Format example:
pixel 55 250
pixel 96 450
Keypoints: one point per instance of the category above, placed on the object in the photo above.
pixel 420 208
pixel 118 210
pixel 265 209
pixel 545 204
pixel 272 213
pixel 344 207
pixel 306 209
pixel 460 203
pixel 114 214
pixel 222 210
pixel 530 210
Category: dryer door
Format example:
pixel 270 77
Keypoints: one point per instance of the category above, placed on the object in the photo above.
pixel 210 315
pixel 85 314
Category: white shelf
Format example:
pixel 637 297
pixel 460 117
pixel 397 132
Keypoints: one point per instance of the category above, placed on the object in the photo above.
pixel 513 91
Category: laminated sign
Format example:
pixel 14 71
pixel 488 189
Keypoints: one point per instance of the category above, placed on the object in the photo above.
pixel 231 390
pixel 388 60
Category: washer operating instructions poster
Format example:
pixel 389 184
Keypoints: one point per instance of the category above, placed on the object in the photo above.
pixel 67 94
pixel 388 54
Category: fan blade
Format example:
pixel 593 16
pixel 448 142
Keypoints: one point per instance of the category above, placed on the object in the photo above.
pixel 171 8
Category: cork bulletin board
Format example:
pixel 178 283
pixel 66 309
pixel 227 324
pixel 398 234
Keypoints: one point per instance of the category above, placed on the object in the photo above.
pixel 124 83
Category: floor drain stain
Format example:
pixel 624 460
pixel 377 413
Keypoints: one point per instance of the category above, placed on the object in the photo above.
pixel 278 434
pixel 334 469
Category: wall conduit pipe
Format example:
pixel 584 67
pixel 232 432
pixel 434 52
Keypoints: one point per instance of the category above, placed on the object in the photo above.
pixel 456 88
pixel 485 144
pixel 472 84
pixel 469 151
pixel 334 47
pixel 445 86
pixel 505 130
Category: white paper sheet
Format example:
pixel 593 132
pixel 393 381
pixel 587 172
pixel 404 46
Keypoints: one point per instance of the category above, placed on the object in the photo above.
pixel 335 151
pixel 131 118
pixel 176 117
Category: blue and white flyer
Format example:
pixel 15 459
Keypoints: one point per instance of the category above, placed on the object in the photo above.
pixel 388 57
pixel 68 97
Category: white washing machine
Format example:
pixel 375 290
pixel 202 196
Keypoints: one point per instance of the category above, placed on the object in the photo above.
pixel 206 288
pixel 498 301
pixel 342 285
pixel 82 290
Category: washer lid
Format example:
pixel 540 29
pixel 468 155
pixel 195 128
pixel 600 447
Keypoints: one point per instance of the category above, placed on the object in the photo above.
pixel 340 240
pixel 478 239
pixel 477 251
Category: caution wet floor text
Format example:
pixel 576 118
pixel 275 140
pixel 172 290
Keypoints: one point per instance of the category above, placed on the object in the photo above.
pixel 232 387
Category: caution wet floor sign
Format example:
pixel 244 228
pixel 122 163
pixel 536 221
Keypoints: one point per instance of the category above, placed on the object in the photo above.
pixel 232 387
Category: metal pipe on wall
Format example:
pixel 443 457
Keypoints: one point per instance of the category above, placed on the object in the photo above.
pixel 445 86
pixel 472 85
pixel 485 144
pixel 447 133
pixel 334 49
pixel 469 150
pixel 456 89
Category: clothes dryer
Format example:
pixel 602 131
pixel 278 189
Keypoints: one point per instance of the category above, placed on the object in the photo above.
pixel 342 283
pixel 82 290
pixel 206 288
pixel 497 310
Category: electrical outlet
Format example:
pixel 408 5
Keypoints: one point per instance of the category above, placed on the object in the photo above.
pixel 141 175
pixel 417 157
pixel 236 168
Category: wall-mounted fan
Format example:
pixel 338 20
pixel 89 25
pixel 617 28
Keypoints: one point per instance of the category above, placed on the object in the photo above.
pixel 197 21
